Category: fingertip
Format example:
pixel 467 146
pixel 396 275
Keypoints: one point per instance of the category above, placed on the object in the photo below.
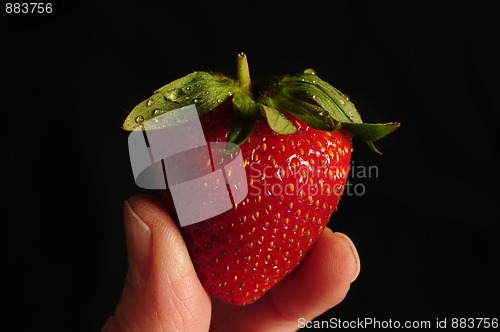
pixel 162 290
pixel 148 207
pixel 138 238
pixel 356 262
pixel 322 280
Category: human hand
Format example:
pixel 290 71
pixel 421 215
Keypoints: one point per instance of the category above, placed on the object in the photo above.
pixel 163 293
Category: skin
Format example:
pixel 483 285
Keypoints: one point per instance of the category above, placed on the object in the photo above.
pixel 162 291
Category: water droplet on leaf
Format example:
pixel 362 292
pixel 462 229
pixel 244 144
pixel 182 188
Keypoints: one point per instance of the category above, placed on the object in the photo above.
pixel 187 89
pixel 310 71
pixel 173 95
pixel 150 102
pixel 139 119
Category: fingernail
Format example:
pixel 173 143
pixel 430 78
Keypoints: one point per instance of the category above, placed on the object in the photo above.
pixel 138 237
pixel 355 255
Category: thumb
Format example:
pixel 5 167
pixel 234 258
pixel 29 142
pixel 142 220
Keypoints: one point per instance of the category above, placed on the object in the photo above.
pixel 162 291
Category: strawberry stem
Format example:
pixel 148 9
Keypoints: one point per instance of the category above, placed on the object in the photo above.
pixel 243 74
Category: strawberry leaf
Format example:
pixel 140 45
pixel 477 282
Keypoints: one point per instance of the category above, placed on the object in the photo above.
pixel 313 115
pixel 314 95
pixel 322 106
pixel 304 96
pixel 204 89
pixel 370 131
pixel 309 85
pixel 245 115
pixel 277 121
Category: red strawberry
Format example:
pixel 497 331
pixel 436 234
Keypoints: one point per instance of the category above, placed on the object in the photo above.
pixel 295 183
pixel 297 163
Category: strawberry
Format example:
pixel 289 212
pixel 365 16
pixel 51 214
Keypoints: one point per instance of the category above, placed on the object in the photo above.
pixel 294 135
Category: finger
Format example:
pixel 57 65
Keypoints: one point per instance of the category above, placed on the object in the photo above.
pixel 319 283
pixel 162 291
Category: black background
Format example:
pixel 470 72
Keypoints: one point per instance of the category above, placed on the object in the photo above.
pixel 426 227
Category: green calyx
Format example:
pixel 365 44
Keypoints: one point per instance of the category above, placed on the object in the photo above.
pixel 304 96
